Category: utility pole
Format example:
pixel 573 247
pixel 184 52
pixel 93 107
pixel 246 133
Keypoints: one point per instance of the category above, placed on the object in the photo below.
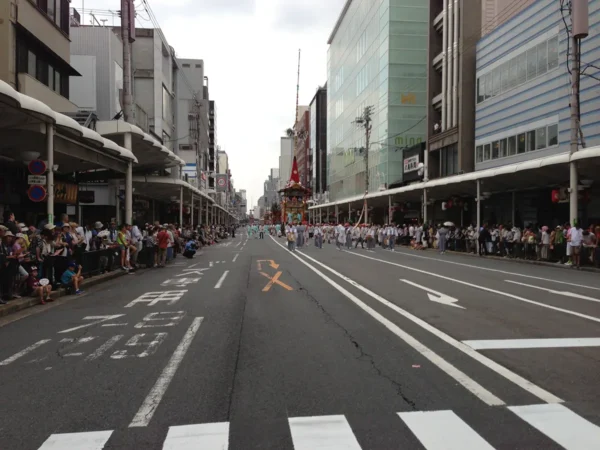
pixel 364 122
pixel 126 36
pixel 579 30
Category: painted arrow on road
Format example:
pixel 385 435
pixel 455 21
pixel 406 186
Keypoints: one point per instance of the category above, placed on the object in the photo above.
pixel 436 296
pixel 552 291
pixel 270 261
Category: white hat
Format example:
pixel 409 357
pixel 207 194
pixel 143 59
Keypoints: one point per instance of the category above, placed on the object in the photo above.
pixel 49 226
pixel 20 235
pixel 21 225
pixel 8 233
pixel 3 228
pixel 24 229
pixel 98 225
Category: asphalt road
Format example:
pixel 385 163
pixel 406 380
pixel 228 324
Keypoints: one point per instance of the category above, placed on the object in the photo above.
pixel 249 346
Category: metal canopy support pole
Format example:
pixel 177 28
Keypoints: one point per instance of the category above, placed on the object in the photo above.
pixel 349 213
pixel 389 209
pixel 200 212
pixel 153 211
pixel 207 206
pixel 181 206
pixel 320 215
pixel 128 183
pixel 337 214
pixel 573 175
pixel 192 212
pixel 50 178
pixel 514 207
pixel 327 218
pixel 478 205
pixel 424 205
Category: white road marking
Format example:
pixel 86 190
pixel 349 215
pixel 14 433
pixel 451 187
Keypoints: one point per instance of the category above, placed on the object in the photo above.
pixel 552 291
pixel 157 319
pixel 443 430
pixel 91 440
pixel 207 436
pixel 194 265
pixel 136 341
pixel 322 432
pixel 182 282
pixel 96 319
pixel 76 342
pixel 220 282
pixel 148 408
pixel 561 425
pixel 238 244
pixel 153 298
pixel 490 364
pixel 235 257
pixel 505 344
pixel 453 372
pixel 436 296
pixel 445 261
pixel 191 272
pixel 115 324
pixel 210 264
pixel 104 348
pixel 23 352
pixel 483 288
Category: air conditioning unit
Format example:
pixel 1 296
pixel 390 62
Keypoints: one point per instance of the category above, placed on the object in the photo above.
pixel 185 147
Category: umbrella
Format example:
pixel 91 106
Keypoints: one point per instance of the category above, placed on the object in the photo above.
pixel 448 224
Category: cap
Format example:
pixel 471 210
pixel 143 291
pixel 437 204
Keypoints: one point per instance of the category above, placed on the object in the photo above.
pixel 72 264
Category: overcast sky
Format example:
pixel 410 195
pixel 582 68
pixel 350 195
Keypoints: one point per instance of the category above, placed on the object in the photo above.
pixel 250 52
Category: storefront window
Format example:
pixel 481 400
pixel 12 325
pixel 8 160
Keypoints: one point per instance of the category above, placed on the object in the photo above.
pixel 495 149
pixel 540 138
pixel 487 152
pixel 521 145
pixel 479 154
pixel 530 141
pixel 512 146
pixel 552 135
pixel 503 151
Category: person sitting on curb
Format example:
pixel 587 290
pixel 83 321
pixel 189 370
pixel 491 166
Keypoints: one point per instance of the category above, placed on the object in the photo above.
pixel 35 289
pixel 70 278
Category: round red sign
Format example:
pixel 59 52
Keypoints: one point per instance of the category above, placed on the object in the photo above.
pixel 36 193
pixel 37 167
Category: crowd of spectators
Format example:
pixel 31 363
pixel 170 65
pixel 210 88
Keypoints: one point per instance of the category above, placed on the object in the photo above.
pixel 38 259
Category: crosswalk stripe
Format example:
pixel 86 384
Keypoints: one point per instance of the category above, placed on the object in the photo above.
pixel 443 430
pixel 322 433
pixel 208 436
pixel 561 425
pixel 93 440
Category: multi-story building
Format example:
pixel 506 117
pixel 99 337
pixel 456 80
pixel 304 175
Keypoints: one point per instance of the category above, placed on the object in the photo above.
pixel 286 156
pixel 213 168
pixel 35 50
pixel 495 12
pixel 302 144
pixel 377 57
pixel 455 30
pixel 318 143
pixel 271 186
pixel 191 114
pixel 522 106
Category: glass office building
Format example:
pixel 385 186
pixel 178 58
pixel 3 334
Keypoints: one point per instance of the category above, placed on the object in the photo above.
pixel 377 57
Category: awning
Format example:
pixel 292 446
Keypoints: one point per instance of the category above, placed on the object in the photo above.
pixel 549 170
pixel 150 153
pixel 16 112
pixel 164 188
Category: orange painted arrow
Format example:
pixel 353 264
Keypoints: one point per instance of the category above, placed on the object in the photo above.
pixel 270 261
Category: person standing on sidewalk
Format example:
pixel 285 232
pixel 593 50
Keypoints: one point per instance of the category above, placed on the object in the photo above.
pixel 576 242
pixel 163 244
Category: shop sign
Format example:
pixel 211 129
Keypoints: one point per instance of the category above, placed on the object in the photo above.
pixel 36 179
pixel 36 193
pixel 411 164
pixel 87 196
pixel 65 193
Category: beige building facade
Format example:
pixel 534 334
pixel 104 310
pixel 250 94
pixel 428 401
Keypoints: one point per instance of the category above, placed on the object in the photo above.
pixel 35 50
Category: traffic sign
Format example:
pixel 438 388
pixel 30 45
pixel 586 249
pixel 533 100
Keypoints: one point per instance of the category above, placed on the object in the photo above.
pixel 37 193
pixel 37 167
pixel 36 179
pixel 221 182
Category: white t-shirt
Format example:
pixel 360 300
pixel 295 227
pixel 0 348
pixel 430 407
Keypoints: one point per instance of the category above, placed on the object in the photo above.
pixel 576 237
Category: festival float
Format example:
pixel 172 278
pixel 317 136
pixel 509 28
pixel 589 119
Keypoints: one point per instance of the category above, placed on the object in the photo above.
pixel 293 198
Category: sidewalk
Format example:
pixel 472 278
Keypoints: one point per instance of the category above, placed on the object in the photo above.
pixel 27 302
pixel 520 261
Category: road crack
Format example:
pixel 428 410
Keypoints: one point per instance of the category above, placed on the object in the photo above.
pixel 362 354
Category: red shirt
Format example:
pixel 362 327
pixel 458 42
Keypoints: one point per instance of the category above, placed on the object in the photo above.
pixel 163 239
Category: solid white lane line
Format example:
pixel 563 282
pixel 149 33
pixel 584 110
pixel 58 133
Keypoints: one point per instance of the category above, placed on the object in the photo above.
pixel 148 408
pixel 462 378
pixel 483 288
pixel 443 430
pixel 194 265
pixel 235 257
pixel 552 291
pixel 445 261
pixel 92 440
pixel 561 425
pixel 220 282
pixel 507 344
pixel 23 352
pixel 210 264
pixel 238 244
pixel 206 436
pixel 490 364
pixel 322 432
